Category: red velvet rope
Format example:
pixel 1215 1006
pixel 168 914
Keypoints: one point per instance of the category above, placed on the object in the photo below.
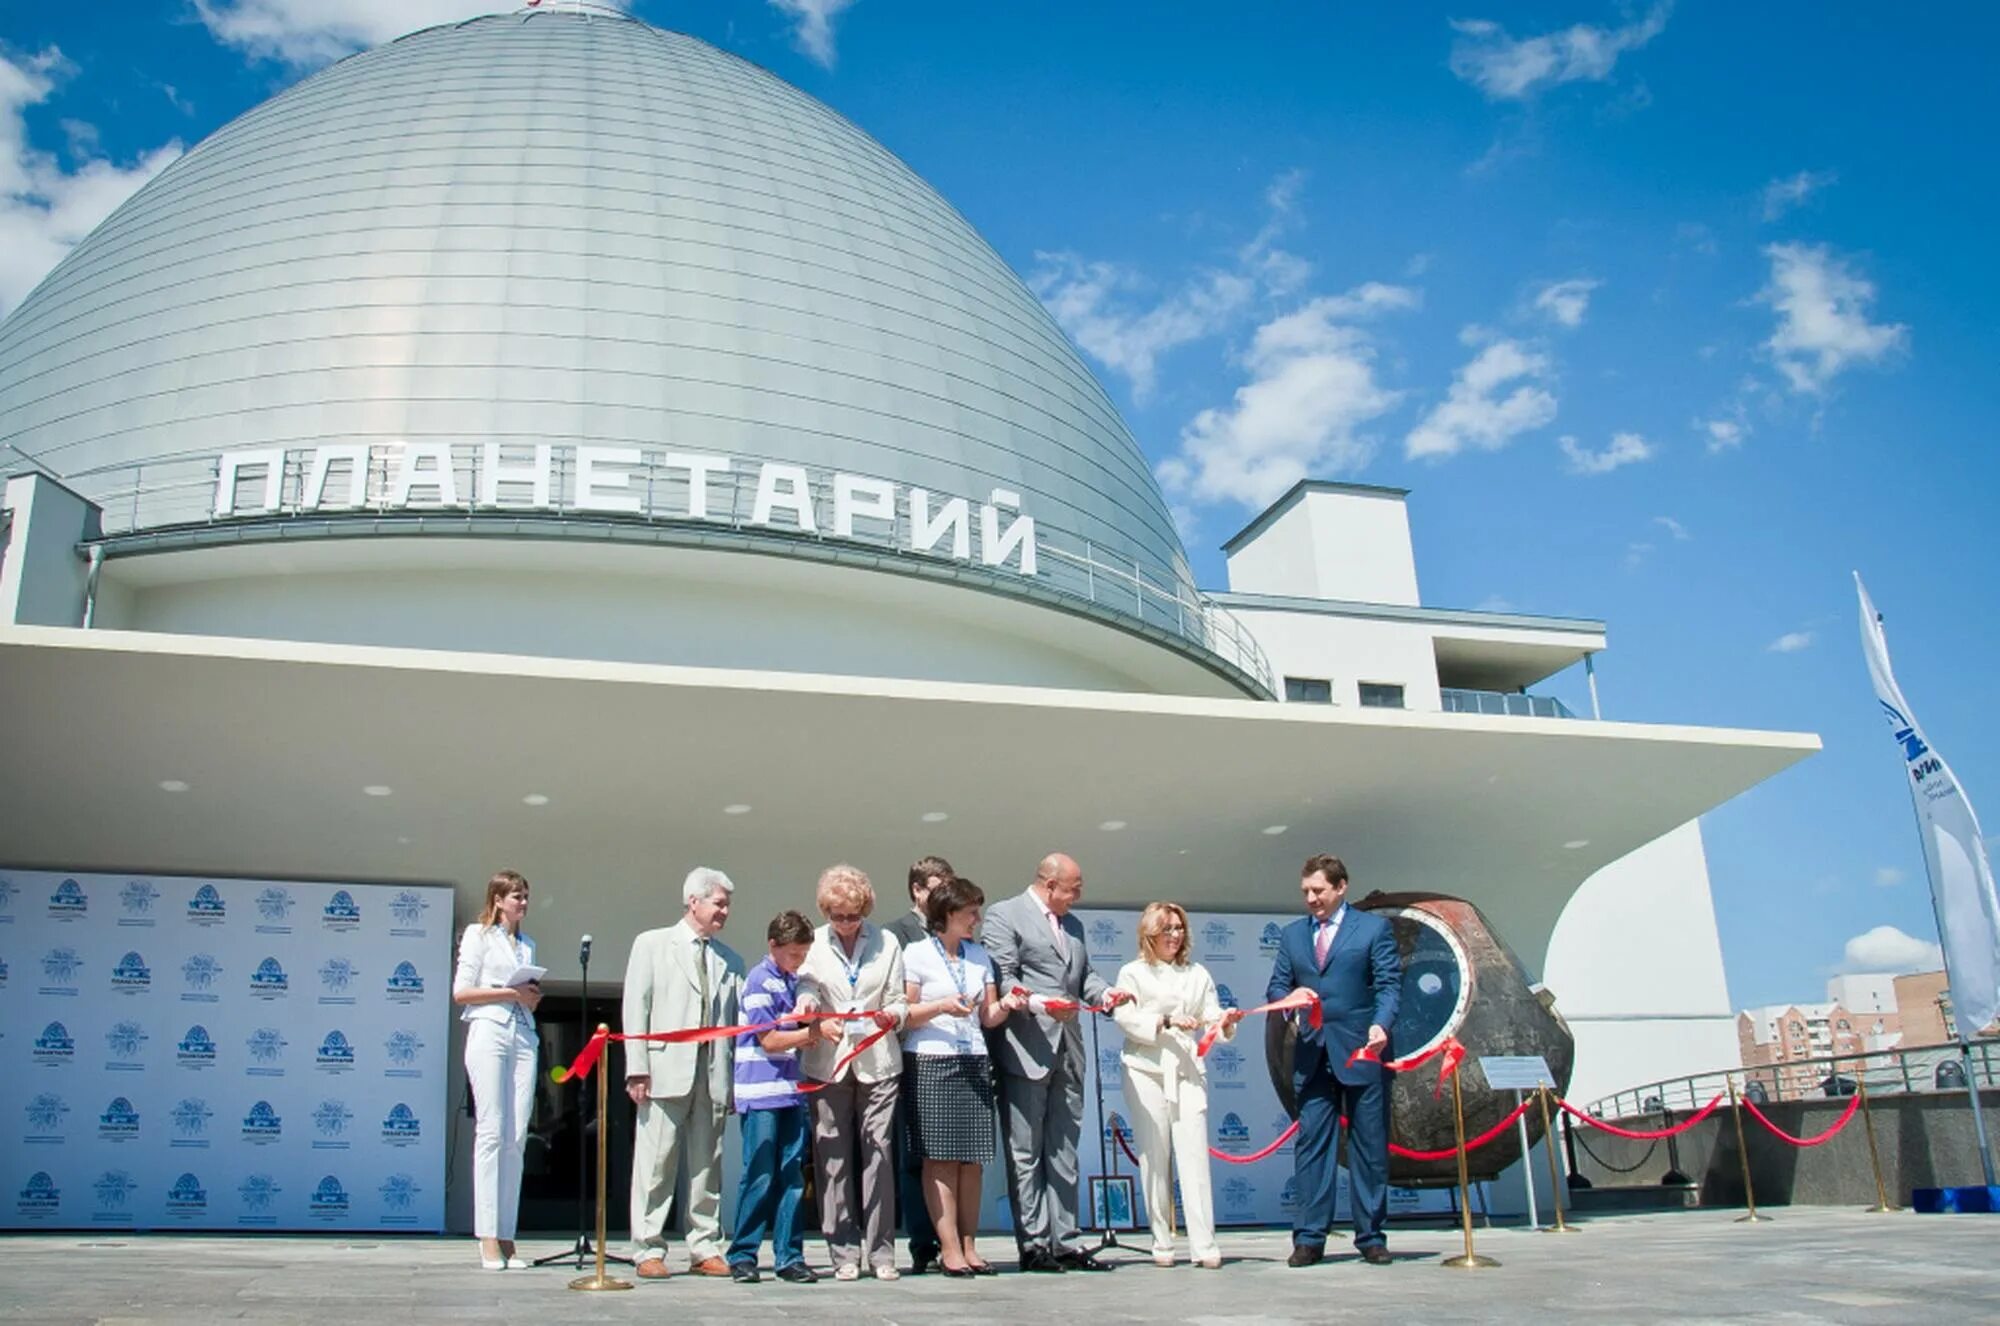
pixel 1643 1134
pixel 1853 1104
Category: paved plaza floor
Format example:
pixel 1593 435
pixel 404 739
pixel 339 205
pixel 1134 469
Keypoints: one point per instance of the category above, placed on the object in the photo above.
pixel 1808 1265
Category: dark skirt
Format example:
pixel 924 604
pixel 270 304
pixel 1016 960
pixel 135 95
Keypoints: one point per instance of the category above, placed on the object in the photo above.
pixel 951 1115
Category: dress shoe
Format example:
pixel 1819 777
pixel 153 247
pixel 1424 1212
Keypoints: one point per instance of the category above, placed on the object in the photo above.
pixel 921 1261
pixel 798 1273
pixel 1376 1255
pixel 1305 1254
pixel 653 1268
pixel 744 1273
pixel 714 1266
pixel 957 1272
pixel 982 1268
pixel 494 1265
pixel 1034 1259
pixel 1080 1261
pixel 888 1271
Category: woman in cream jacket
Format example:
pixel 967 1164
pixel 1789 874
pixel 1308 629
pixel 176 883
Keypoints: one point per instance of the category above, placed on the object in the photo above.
pixel 854 966
pixel 1173 1002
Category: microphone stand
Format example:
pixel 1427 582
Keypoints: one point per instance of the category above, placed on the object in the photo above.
pixel 583 1250
pixel 1107 1159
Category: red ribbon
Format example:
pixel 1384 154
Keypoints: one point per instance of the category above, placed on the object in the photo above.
pixel 594 1048
pixel 808 1088
pixel 1643 1134
pixel 1299 998
pixel 1853 1104
pixel 1450 1047
pixel 1064 1005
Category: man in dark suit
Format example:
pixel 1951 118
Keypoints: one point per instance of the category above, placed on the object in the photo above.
pixel 1036 944
pixel 1349 959
pixel 911 930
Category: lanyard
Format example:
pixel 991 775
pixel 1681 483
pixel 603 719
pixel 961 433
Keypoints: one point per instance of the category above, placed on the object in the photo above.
pixel 853 969
pixel 956 970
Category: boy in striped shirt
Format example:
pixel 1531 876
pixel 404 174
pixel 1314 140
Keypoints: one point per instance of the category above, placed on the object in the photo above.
pixel 775 1121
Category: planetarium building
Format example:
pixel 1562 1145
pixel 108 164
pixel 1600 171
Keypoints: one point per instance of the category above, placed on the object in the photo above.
pixel 547 441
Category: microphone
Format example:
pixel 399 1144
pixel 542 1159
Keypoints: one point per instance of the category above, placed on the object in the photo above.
pixel 583 952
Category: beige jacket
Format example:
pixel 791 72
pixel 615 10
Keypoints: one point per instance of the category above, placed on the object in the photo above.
pixel 663 993
pixel 878 985
pixel 1161 990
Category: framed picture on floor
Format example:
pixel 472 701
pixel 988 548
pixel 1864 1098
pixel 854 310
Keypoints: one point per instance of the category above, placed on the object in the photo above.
pixel 1113 1204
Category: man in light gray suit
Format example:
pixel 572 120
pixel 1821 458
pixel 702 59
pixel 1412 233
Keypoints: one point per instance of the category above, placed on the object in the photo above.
pixel 681 976
pixel 1037 945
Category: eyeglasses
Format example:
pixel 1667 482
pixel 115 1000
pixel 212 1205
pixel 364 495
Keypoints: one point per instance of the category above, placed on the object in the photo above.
pixel 843 918
pixel 1173 929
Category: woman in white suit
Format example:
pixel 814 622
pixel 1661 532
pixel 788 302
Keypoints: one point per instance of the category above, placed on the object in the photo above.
pixel 854 966
pixel 500 1050
pixel 1173 1002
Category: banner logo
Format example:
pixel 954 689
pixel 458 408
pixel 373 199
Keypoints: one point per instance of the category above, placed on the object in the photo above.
pixel 1271 938
pixel 399 1194
pixel 113 1188
pixel 1288 1196
pixel 331 1120
pixel 1117 1128
pixel 1103 938
pixel 1238 1196
pixel 39 1197
pixel 196 1049
pixel 55 1045
pixel 403 1048
pixel 119 1122
pixel 131 975
pixel 8 890
pixel 405 985
pixel 329 1200
pixel 341 911
pixel 1232 1129
pixel 335 1055
pixel 46 1112
pixel 407 910
pixel 1218 937
pixel 136 899
pixel 1226 1062
pixel 206 907
pixel 402 1127
pixel 125 1039
pixel 274 911
pixel 336 979
pixel 68 902
pixel 262 1126
pixel 1224 996
pixel 269 980
pixel 60 967
pixel 267 1049
pixel 187 1198
pixel 190 1116
pixel 258 1193
pixel 199 974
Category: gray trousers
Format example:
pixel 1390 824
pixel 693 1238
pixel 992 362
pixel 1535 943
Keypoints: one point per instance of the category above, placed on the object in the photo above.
pixel 852 1125
pixel 1042 1121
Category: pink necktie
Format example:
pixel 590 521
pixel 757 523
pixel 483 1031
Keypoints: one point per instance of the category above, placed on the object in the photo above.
pixel 1062 940
pixel 1322 942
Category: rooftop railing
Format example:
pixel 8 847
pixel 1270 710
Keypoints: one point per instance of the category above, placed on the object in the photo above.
pixel 1458 700
pixel 1886 1072
pixel 171 501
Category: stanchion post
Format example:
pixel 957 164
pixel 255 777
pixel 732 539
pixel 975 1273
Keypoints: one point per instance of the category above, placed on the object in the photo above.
pixel 1750 1217
pixel 600 1281
pixel 1469 1260
pixel 1560 1226
pixel 1882 1202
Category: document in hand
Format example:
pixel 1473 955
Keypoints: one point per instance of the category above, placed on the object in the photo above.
pixel 526 974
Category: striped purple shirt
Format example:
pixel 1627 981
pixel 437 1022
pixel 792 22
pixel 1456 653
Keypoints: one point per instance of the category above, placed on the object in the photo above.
pixel 766 1080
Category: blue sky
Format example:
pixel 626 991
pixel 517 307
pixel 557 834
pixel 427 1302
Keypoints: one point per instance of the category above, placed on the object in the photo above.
pixel 1667 315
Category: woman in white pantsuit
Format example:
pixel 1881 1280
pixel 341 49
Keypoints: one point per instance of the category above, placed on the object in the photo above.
pixel 500 1050
pixel 1173 1002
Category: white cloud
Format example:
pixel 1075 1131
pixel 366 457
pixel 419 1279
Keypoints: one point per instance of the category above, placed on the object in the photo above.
pixel 1476 413
pixel 1566 301
pixel 1781 196
pixel 1791 642
pixel 1495 603
pixel 1888 877
pixel 1887 949
pixel 1105 307
pixel 1092 301
pixel 1724 434
pixel 1822 309
pixel 1507 69
pixel 1624 449
pixel 1673 527
pixel 44 209
pixel 1312 389
pixel 304 33
pixel 812 26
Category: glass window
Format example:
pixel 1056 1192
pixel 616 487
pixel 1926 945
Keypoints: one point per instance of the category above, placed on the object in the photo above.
pixel 1381 695
pixel 1309 690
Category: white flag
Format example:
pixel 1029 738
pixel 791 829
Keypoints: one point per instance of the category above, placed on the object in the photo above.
pixel 1954 852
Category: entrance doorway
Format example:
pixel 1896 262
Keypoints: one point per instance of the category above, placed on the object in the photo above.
pixel 561 1160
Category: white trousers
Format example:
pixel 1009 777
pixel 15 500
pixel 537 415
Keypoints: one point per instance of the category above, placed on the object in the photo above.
pixel 671 1127
pixel 1173 1121
pixel 500 1065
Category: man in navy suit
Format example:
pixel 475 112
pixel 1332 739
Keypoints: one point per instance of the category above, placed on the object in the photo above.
pixel 1349 959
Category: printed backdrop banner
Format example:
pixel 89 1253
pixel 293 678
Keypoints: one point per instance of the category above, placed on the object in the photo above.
pixel 1244 1115
pixel 182 1053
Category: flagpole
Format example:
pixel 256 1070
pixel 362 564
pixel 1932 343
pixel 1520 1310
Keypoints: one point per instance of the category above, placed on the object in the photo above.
pixel 1937 919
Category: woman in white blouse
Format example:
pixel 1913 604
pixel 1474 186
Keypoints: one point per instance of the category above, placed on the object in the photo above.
pixel 854 966
pixel 500 1050
pixel 1173 1002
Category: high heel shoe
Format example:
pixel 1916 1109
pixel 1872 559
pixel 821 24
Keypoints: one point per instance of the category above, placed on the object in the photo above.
pixel 981 1268
pixel 958 1272
pixel 499 1264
